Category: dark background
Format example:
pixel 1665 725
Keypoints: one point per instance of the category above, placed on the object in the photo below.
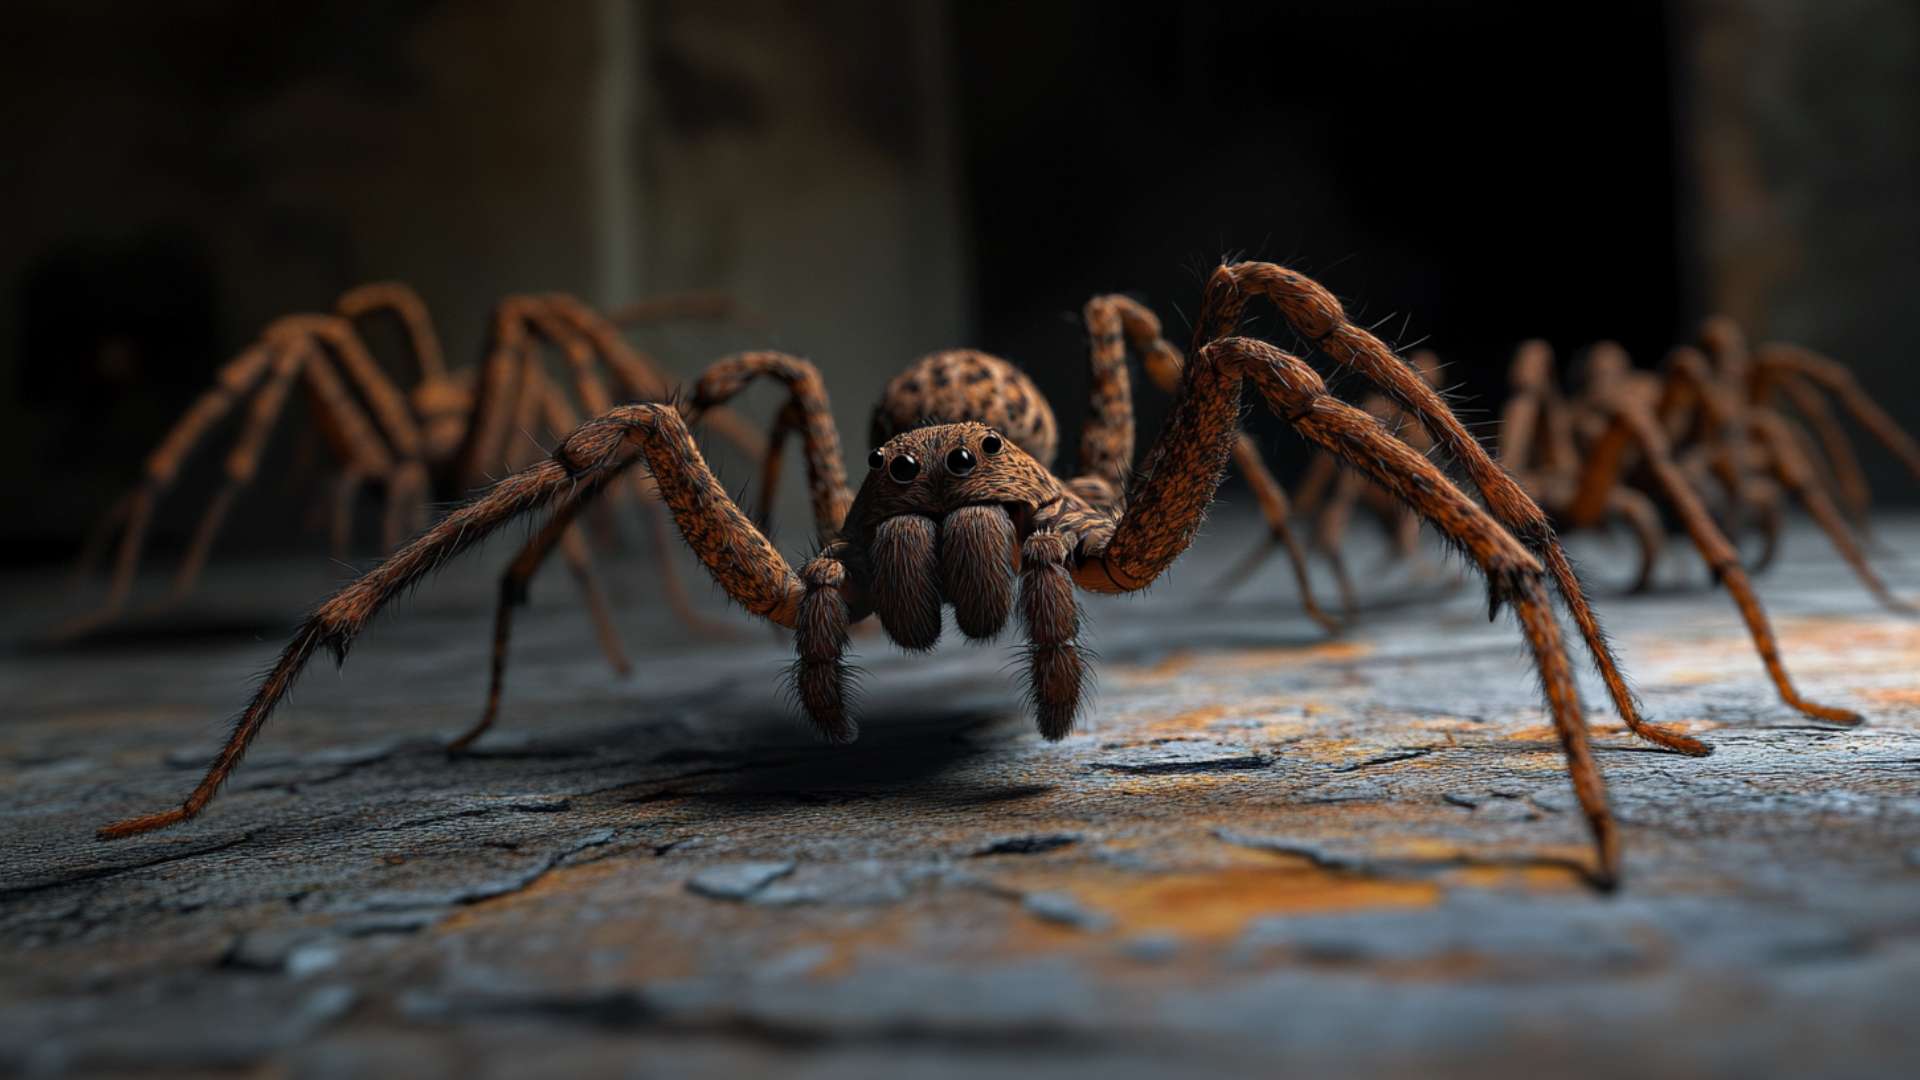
pixel 878 180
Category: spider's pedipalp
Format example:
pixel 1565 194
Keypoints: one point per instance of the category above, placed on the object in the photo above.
pixel 977 545
pixel 1051 617
pixel 821 679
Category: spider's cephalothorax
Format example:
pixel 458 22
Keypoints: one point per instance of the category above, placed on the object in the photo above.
pixel 957 513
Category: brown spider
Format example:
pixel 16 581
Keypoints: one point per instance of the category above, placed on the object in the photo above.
pixel 966 512
pixel 1672 434
pixel 447 436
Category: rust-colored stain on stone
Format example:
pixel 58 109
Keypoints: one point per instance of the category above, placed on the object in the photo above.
pixel 1218 904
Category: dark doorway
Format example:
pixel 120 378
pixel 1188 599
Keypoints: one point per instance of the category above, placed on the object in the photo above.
pixel 1466 175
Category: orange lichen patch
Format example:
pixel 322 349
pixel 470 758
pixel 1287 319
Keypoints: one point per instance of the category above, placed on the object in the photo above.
pixel 1182 661
pixel 1325 652
pixel 1192 720
pixel 1169 665
pixel 1163 784
pixel 1896 696
pixel 1217 904
pixel 1690 677
pixel 891 934
pixel 1542 876
pixel 1544 733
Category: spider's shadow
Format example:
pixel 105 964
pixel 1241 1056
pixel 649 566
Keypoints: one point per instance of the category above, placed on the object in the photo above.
pixel 910 751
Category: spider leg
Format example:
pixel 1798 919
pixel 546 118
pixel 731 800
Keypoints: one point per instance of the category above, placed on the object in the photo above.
pixel 499 386
pixel 1834 378
pixel 100 537
pixel 1643 518
pixel 820 677
pixel 1331 528
pixel 1632 426
pixel 1273 506
pixel 236 381
pixel 1106 436
pixel 740 559
pixel 728 377
pixel 1767 501
pixel 559 529
pixel 807 395
pixel 243 462
pixel 1316 315
pixel 1050 615
pixel 1796 475
pixel 406 305
pixel 642 378
pixel 351 435
pixel 1841 462
pixel 786 422
pixel 1166 508
pixel 1106 443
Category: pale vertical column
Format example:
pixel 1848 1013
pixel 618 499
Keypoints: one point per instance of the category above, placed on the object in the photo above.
pixel 614 187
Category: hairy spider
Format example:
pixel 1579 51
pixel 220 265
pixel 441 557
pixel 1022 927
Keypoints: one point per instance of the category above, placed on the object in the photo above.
pixel 965 512
pixel 451 433
pixel 1611 451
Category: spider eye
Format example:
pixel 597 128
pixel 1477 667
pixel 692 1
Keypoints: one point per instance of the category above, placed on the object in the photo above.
pixel 904 469
pixel 960 461
pixel 990 445
pixel 876 459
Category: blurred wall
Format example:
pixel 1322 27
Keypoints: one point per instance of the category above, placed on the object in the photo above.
pixel 187 172
pixel 1805 200
pixel 874 180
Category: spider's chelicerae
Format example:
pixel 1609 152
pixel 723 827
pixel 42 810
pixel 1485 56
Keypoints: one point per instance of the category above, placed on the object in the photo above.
pixel 967 512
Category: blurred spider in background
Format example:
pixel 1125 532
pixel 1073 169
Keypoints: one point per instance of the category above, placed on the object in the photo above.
pixel 451 432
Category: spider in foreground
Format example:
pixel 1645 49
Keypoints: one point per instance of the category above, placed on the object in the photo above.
pixel 965 511
pixel 451 433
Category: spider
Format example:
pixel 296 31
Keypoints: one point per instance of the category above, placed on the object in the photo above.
pixel 447 436
pixel 964 510
pixel 1745 421
pixel 1672 432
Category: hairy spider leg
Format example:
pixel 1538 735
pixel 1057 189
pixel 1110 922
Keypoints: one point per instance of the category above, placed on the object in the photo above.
pixel 1316 315
pixel 1115 322
pixel 1166 504
pixel 739 557
pixel 721 382
pixel 1633 427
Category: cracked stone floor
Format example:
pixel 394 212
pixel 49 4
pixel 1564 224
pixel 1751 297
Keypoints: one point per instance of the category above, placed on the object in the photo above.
pixel 1264 851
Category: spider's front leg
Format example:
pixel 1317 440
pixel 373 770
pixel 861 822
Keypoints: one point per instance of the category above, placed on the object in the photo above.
pixel 1106 441
pixel 1316 315
pixel 1182 471
pixel 740 559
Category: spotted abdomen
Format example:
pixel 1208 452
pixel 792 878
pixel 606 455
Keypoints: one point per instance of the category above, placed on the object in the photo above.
pixel 962 385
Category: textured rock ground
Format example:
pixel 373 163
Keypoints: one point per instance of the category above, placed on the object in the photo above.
pixel 1265 850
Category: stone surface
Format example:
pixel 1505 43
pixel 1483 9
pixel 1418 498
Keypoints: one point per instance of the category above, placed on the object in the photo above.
pixel 1264 850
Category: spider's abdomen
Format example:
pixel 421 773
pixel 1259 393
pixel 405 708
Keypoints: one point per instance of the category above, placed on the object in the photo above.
pixel 962 385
